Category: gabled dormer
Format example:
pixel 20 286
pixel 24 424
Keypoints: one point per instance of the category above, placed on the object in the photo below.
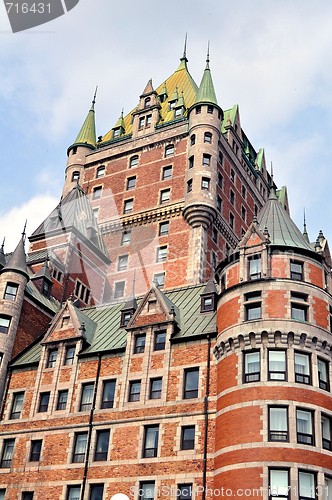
pixel 209 297
pixel 42 280
pixel 146 115
pixel 127 311
pixel 233 129
pixel 119 128
pixel 253 253
pixel 163 94
pixel 172 103
pixel 180 107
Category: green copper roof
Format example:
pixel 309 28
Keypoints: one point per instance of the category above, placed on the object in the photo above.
pixel 229 113
pixel 282 230
pixel 206 91
pixel 87 134
pixel 120 122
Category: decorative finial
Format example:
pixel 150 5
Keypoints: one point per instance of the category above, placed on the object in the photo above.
pixel 318 246
pixel 271 172
pixel 305 232
pixel 208 53
pixel 23 233
pixel 95 95
pixel 184 57
pixel 3 245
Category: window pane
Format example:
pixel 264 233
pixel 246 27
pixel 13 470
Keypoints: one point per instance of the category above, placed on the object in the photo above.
pixel 302 364
pixel 108 394
pixel 146 491
pixel 304 422
pixel 151 442
pixel 74 493
pixel 277 365
pixel 252 362
pixel 97 492
pixel 307 485
pixel 191 384
pixel 279 482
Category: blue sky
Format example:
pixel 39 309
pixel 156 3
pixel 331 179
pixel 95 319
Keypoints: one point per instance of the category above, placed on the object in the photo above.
pixel 272 57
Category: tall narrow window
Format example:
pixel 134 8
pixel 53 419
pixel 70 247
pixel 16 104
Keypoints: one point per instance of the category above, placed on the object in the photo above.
pixel 304 427
pixel 191 383
pixel 278 423
pixel 62 399
pixel 231 220
pixel 119 289
pixel 163 228
pixel 277 365
pixel 307 485
pixel 188 437
pixel 252 366
pixel 205 184
pixel 36 446
pixel 87 395
pixel 70 355
pixel 125 238
pixel 133 162
pixel 43 402
pixel 74 493
pixel 326 423
pixel 208 137
pixel 189 185
pixel 108 394
pixel 165 196
pixel 80 447
pixel 167 172
pixel 278 484
pixel 159 341
pixel 17 405
pixel 323 374
pixel 7 453
pixel 151 441
pixel 191 161
pixel 128 206
pixel 219 203
pixel 169 150
pixel 134 390
pixel 102 442
pixel 11 291
pixel 296 269
pixel 139 344
pixel 155 388
pixel 302 368
pixel 162 254
pixel 52 355
pixel 255 267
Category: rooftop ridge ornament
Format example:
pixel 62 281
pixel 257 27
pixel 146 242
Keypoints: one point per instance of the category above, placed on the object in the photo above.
pixel 94 97
pixel 184 57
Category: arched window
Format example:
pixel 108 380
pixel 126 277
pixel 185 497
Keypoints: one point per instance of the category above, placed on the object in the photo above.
pixel 133 162
pixel 147 102
pixel 75 177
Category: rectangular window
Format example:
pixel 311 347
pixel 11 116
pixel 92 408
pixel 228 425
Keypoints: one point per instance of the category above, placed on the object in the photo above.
pixel 17 405
pixel 189 186
pixel 27 495
pixel 131 183
pixel 296 270
pixel 191 162
pixel 162 254
pixel 134 390
pixel 43 402
pixel 146 491
pixel 163 228
pixel 108 394
pixel 206 160
pixel 215 235
pixel 307 485
pixel 232 175
pixel 253 311
pixel 7 453
pixel 279 484
pixel 184 492
pixel 167 173
pixel 4 324
pixel 219 202
pixel 165 195
pixel 231 220
pixel 52 355
pixel 188 437
pixel 304 427
pixel 232 197
pixel 139 344
pixel 243 192
pixel 205 183
pixel 155 388
pixel 255 267
pixel 151 441
pixel 96 492
pixel 323 374
pixel 208 137
pixel 141 122
pixel 125 238
pixel 277 365
pixel 70 355
pixel 169 150
pixel 299 312
pixel 80 447
pixel 62 400
pixel 159 341
pixel 207 304
pixel 119 289
pixel 243 213
pixel 133 162
pixel 11 291
pixel 100 172
pixel 148 121
pixel 74 493
pixel 192 140
pixel 102 442
pixel 35 450
pixel 252 366
pixel 278 423
pixel 220 180
pixel 326 423
pixel 128 206
pixel 210 110
pixel 159 278
pixel 302 368
pixel 87 396
pixel 191 383
pixel 123 263
pixel 96 193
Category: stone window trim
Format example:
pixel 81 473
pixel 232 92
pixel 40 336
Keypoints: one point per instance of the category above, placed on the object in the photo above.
pixel 82 292
pixel 69 357
pixel 75 176
pixel 323 368
pixel 326 426
pixel 155 389
pixel 62 400
pixel 161 254
pixel 192 139
pixel 163 228
pixel 208 137
pixel 296 270
pixel 205 183
pixel 184 491
pixel 159 340
pixel 73 492
pixel 139 343
pixel 126 237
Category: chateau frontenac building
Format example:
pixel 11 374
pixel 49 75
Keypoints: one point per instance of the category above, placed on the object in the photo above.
pixel 168 333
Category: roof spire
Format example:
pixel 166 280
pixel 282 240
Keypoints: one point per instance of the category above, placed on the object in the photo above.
pixel 184 57
pixel 94 97
pixel 208 56
pixel 17 261
pixel 87 135
pixel 273 193
pixel 206 92
pixel 305 233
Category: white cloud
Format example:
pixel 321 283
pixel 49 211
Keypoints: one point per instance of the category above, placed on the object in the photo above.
pixel 34 211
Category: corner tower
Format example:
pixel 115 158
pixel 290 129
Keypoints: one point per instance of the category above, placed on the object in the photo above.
pixel 77 152
pixel 200 207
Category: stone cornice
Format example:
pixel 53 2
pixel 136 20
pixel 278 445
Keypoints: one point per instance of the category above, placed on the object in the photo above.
pixel 143 217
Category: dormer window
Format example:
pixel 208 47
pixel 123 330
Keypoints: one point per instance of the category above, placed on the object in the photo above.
pixel 148 121
pixel 147 102
pixel 46 289
pixel 178 112
pixel 171 105
pixel 116 132
pixel 125 318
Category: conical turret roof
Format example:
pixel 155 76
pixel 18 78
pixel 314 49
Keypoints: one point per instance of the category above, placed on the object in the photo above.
pixel 282 230
pixel 206 92
pixel 2 255
pixel 17 261
pixel 87 134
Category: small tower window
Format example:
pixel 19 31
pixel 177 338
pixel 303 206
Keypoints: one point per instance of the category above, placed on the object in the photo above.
pixel 210 110
pixel 100 172
pixel 133 162
pixel 206 160
pixel 159 278
pixel 96 193
pixel 192 140
pixel 131 183
pixel 198 110
pixel 189 185
pixel 11 291
pixel 148 121
pixel 165 196
pixel 74 150
pixel 141 122
pixel 128 206
pixel 75 177
pixel 205 184
pixel 177 112
pixel 191 162
pixel 208 137
pixel 4 323
pixel 147 102
pixel 255 267
pixel 169 150
pixel 116 132
pixel 167 172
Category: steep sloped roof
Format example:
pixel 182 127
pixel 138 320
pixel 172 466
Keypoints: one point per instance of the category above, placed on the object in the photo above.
pixel 17 260
pixel 180 79
pixel 206 92
pixel 87 134
pixel 282 230
pixel 74 211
